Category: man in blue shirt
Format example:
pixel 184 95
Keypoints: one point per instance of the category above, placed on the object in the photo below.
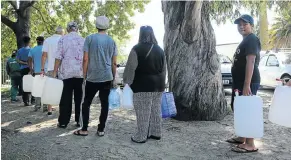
pixel 22 58
pixel 34 62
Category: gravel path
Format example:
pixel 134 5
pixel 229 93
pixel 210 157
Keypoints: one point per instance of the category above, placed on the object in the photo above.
pixel 34 135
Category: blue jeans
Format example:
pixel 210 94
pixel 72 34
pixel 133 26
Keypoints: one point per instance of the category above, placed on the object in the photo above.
pixel 254 88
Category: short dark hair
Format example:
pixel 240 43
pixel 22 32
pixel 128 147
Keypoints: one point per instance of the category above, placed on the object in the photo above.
pixel 26 39
pixel 39 40
pixel 100 30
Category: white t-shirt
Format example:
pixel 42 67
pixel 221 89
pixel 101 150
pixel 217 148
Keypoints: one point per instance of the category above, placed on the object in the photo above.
pixel 50 46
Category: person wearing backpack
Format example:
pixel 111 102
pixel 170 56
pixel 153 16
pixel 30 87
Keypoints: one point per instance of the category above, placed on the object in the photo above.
pixel 13 70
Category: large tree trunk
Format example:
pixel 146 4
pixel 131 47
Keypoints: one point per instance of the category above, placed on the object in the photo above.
pixel 264 32
pixel 193 64
pixel 21 27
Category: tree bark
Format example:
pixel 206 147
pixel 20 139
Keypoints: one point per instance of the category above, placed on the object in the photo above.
pixel 193 63
pixel 22 26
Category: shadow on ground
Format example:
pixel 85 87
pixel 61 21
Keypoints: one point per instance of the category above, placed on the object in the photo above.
pixel 41 139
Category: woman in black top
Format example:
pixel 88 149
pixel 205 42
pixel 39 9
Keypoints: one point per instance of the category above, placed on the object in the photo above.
pixel 245 72
pixel 145 73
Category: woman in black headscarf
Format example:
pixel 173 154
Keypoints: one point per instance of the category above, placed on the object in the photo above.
pixel 145 73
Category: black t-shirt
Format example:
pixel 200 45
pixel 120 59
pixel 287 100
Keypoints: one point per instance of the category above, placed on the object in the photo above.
pixel 250 45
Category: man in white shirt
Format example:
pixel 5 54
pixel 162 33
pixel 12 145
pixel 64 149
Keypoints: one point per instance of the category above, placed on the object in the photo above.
pixel 49 50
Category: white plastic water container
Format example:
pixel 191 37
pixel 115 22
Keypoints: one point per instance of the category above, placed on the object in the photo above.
pixel 38 85
pixel 280 110
pixel 248 116
pixel 52 91
pixel 27 83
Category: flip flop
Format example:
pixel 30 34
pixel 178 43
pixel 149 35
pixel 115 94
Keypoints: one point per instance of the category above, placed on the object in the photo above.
pixel 155 137
pixel 234 141
pixel 238 149
pixel 77 133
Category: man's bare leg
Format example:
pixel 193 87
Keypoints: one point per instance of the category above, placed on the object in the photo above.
pixel 50 110
pixel 248 145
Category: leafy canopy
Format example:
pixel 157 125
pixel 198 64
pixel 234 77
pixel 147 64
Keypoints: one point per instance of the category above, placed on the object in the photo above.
pixel 47 15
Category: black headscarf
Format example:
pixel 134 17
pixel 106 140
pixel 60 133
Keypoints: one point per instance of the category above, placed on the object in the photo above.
pixel 146 35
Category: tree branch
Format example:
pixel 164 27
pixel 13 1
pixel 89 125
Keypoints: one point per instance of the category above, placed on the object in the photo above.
pixel 26 5
pixel 42 18
pixel 13 4
pixel 8 22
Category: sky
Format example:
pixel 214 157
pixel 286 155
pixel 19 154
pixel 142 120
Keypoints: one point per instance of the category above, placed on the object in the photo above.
pixel 153 16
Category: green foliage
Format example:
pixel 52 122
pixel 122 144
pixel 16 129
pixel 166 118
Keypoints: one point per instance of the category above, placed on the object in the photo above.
pixel 281 30
pixel 221 11
pixel 8 42
pixel 47 15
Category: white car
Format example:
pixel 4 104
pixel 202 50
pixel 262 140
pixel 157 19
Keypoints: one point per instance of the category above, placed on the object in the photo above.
pixel 120 71
pixel 119 74
pixel 274 66
pixel 226 64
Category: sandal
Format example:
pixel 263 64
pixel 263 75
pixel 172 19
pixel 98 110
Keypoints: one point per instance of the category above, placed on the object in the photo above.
pixel 234 141
pixel 238 149
pixel 100 134
pixel 77 133
pixel 137 141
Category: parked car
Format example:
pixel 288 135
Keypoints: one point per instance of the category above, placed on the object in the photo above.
pixel 119 74
pixel 226 64
pixel 120 71
pixel 275 66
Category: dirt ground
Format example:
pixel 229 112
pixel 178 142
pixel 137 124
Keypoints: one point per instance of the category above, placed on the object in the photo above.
pixel 33 135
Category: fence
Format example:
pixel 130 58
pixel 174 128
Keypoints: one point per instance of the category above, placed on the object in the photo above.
pixel 5 80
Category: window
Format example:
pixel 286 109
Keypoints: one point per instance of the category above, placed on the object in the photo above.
pixel 272 61
pixel 285 58
pixel 224 59
pixel 263 61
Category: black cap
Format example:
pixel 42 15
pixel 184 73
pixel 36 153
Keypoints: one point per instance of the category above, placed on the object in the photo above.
pixel 245 17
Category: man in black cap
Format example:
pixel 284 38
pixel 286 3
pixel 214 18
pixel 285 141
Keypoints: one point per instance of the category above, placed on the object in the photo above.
pixel 13 70
pixel 245 72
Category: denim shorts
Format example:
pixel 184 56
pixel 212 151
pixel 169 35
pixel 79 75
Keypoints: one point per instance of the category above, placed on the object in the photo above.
pixel 254 88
